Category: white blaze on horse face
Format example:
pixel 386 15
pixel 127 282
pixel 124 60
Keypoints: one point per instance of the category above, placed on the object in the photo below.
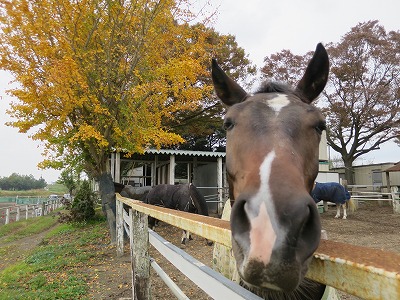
pixel 278 103
pixel 262 234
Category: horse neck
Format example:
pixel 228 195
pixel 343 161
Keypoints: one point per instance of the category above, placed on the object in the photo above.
pixel 198 200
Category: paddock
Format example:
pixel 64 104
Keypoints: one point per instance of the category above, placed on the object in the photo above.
pixel 352 269
pixel 13 212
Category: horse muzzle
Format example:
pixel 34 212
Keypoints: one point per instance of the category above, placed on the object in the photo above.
pixel 273 247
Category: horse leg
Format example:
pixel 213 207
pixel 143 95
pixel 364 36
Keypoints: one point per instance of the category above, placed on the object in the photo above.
pixel 152 223
pixel 185 237
pixel 344 211
pixel 325 206
pixel 337 211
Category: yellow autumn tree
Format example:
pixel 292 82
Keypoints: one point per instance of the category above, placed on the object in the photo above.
pixel 95 76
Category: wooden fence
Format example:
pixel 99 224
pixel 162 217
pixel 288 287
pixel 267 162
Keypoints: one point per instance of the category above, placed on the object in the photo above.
pixel 393 197
pixel 17 212
pixel 360 271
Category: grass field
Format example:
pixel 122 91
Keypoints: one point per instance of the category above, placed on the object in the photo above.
pixel 51 267
pixel 55 188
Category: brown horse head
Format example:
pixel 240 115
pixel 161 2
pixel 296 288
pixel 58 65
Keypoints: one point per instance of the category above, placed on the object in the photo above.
pixel 272 162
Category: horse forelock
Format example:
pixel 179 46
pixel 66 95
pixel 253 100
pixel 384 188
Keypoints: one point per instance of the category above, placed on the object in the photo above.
pixel 275 87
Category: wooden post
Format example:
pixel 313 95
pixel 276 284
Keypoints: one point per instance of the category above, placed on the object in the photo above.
pixel 189 173
pixel 7 216
pixel 154 171
pixel 219 184
pixel 171 174
pixel 117 177
pixel 17 216
pixel 139 241
pixel 120 228
pixel 395 199
pixel 112 166
pixel 388 181
pixel 26 212
pixel 44 206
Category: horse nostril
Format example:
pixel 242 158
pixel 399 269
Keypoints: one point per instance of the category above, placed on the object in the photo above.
pixel 240 223
pixel 310 234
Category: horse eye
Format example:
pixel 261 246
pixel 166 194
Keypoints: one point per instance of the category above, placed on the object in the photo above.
pixel 228 124
pixel 321 126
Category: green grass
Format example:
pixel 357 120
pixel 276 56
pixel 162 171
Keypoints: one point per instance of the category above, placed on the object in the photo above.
pixel 23 228
pixel 27 281
pixel 57 188
pixel 54 188
pixel 50 271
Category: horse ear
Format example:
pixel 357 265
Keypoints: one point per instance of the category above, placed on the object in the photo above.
pixel 315 77
pixel 226 88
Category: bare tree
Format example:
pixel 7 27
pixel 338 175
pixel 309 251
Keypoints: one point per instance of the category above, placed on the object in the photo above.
pixel 362 102
pixel 362 99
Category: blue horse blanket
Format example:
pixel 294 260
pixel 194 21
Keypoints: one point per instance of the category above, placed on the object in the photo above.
pixel 330 191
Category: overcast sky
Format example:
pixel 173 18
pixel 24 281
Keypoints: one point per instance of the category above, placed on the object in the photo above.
pixel 262 28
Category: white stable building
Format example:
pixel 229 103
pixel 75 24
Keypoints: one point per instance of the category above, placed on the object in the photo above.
pixel 204 169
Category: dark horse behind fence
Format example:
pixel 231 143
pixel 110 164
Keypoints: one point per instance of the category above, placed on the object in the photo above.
pixel 271 163
pixel 184 197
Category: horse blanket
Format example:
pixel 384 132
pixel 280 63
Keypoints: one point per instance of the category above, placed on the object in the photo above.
pixel 330 191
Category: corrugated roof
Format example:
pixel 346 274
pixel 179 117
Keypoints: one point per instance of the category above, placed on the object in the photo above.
pixel 185 152
pixel 395 168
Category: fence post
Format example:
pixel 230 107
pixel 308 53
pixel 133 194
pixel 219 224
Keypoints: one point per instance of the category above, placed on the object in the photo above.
pixel 17 216
pixel 120 227
pixel 139 245
pixel 220 205
pixel 395 199
pixel 7 215
pixel 26 212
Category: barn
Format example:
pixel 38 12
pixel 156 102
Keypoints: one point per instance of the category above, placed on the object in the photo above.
pixel 206 170
pixel 373 177
pixel 165 166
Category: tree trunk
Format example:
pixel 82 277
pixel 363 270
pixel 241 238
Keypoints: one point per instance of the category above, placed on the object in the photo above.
pixel 349 172
pixel 107 195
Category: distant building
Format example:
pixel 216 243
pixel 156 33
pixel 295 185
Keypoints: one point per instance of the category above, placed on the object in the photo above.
pixel 372 177
pixel 324 174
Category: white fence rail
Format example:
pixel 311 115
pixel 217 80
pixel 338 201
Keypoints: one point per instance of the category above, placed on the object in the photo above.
pixel 210 281
pixel 393 197
pixel 15 213
pixel 360 271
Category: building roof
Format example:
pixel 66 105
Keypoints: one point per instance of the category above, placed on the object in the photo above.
pixel 382 165
pixel 186 152
pixel 395 168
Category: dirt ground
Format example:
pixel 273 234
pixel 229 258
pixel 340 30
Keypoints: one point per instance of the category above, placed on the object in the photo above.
pixel 109 276
pixel 369 226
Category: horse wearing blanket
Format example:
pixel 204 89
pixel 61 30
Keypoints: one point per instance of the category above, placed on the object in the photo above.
pixel 333 192
pixel 271 163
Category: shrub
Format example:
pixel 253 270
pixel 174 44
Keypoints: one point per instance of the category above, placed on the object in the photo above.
pixel 82 206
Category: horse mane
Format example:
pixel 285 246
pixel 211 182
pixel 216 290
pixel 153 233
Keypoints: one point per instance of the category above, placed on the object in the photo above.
pixel 275 87
pixel 198 200
pixel 118 187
